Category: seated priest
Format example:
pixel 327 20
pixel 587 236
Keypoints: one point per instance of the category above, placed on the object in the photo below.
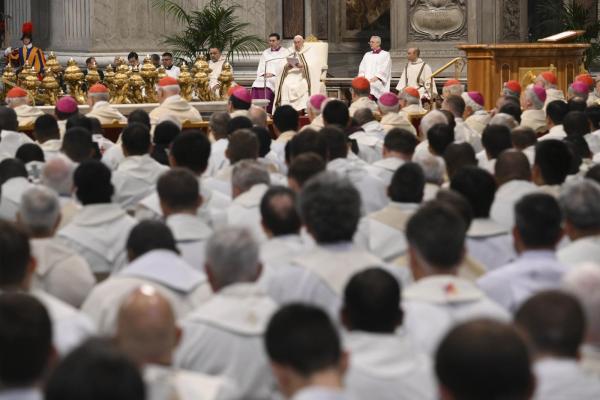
pixel 18 99
pixel 97 98
pixel 300 76
pixel 172 104
pixel 217 59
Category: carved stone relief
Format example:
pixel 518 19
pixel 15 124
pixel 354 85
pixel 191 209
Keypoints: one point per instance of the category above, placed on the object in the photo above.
pixel 437 20
pixel 511 16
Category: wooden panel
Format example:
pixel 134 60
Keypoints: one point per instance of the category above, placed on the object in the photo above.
pixel 319 10
pixel 293 18
pixel 487 65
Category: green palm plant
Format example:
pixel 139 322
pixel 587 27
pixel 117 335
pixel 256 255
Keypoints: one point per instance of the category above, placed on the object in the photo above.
pixel 212 26
pixel 558 16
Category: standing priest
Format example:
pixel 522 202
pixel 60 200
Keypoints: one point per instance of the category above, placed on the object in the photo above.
pixel 300 77
pixel 416 74
pixel 269 69
pixel 376 66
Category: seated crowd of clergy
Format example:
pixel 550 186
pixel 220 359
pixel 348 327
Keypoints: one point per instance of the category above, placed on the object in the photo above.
pixel 359 256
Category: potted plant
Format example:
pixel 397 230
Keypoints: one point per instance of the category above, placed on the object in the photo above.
pixel 215 25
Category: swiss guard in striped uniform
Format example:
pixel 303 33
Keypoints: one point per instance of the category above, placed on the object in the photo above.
pixel 28 52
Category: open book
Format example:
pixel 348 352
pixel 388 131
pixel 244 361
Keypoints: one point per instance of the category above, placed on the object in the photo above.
pixel 562 37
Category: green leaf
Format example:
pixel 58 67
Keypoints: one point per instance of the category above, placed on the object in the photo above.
pixel 215 25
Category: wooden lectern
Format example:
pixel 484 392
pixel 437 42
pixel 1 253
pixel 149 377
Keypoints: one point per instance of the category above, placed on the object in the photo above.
pixel 490 65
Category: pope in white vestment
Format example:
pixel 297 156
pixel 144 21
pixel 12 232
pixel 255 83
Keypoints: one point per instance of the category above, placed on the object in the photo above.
pixel 300 77
pixel 416 74
pixel 376 66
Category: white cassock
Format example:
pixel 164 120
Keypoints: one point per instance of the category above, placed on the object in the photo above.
pixel 579 251
pixel 273 61
pixel 383 232
pixel 387 367
pixel 320 275
pixel 26 114
pixel 478 121
pixel 175 106
pixel 489 243
pixel 70 326
pixel 244 211
pixel 10 200
pixel 319 393
pixel 212 210
pixel 362 102
pixel 51 148
pixel 217 159
pixel 384 169
pixel 213 77
pixel 135 178
pixel 10 141
pixel 99 234
pixel 557 132
pixel 61 272
pixel 463 133
pixel 534 119
pixel 191 234
pixel 554 95
pixel 507 195
pixel 184 287
pixel 113 156
pixel 514 283
pixel 564 378
pixel 593 141
pixel 224 336
pixel 370 145
pixel 377 65
pixel 171 383
pixel 417 74
pixel 106 113
pixel 372 190
pixel 296 85
pixel 433 305
pixel 279 251
pixel 173 72
pixel 393 120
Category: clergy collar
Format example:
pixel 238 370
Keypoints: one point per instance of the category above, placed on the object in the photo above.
pixel 417 61
pixel 277 49
pixel 376 51
pixel 169 67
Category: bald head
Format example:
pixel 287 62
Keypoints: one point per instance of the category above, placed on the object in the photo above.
pixel 512 165
pixel 146 329
pixel 57 174
pixel 258 116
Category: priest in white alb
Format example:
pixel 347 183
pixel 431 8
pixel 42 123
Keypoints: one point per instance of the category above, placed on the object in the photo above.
pixel 376 66
pixel 215 63
pixel 300 77
pixel 269 69
pixel 417 74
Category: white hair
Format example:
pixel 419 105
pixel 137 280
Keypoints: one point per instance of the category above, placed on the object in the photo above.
pixel 232 255
pixel 504 119
pixel 455 90
pixel 170 90
pixel 583 281
pixel 580 202
pixel 469 102
pixel 13 102
pixel 433 168
pixel 58 175
pixel 39 210
pixel 388 109
pixel 258 116
pixel 532 98
pixel 99 96
pixel 432 118
pixel 378 38
pixel 247 173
